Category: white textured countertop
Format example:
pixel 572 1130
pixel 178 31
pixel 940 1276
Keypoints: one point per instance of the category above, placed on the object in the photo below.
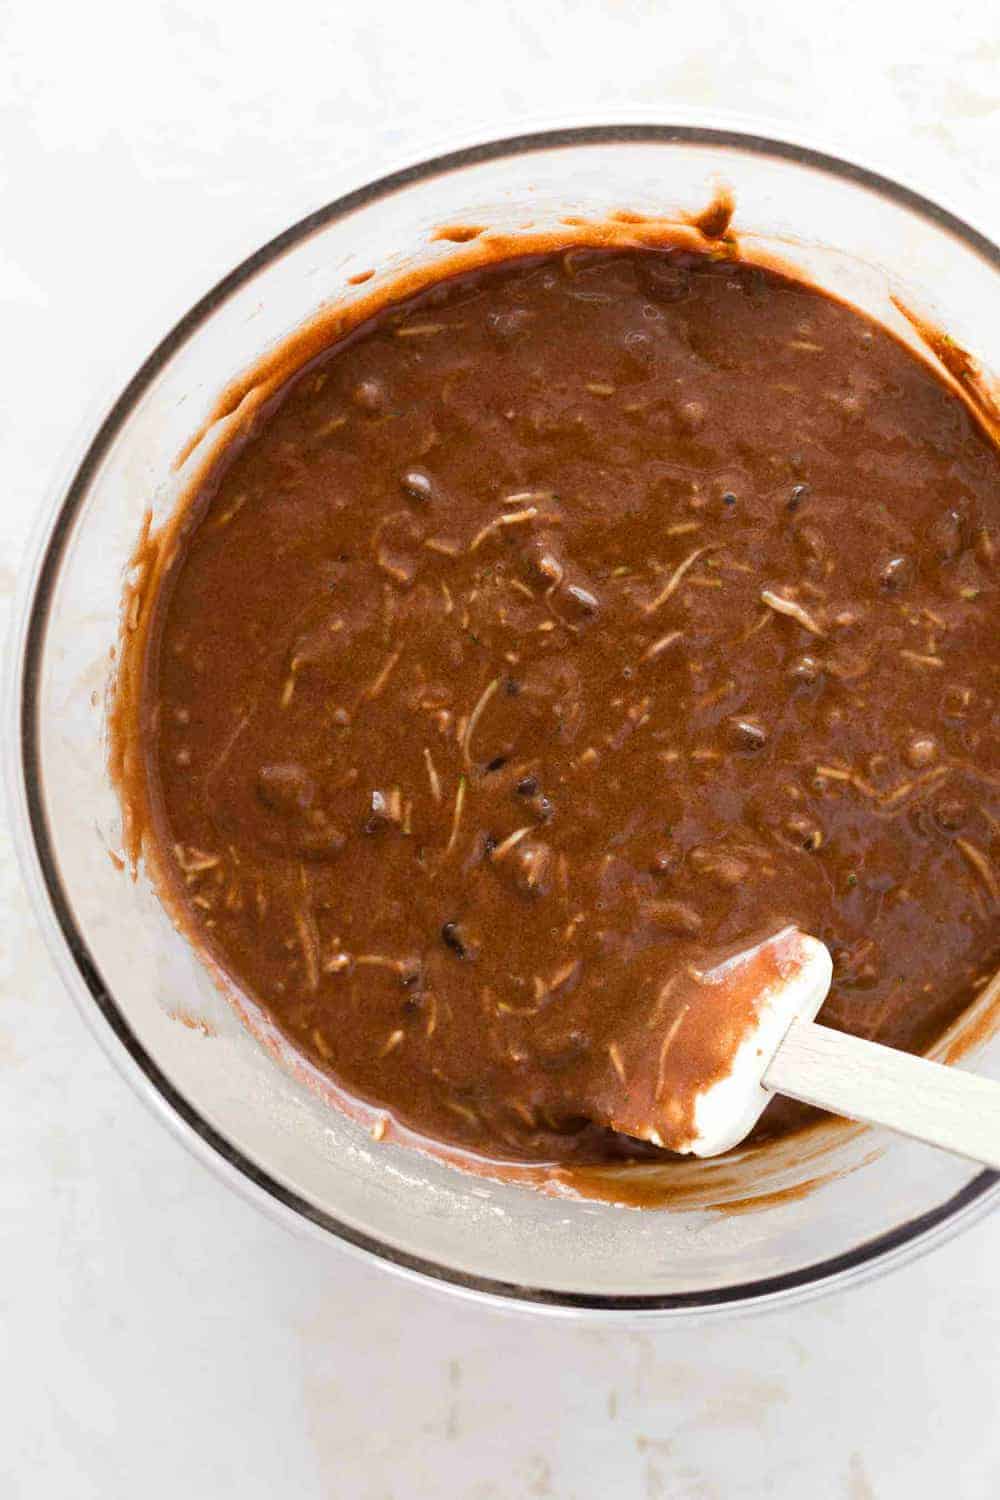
pixel 158 1336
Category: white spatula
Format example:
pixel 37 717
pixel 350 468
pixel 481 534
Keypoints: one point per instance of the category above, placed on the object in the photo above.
pixel 748 1032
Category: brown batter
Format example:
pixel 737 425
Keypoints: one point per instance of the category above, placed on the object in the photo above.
pixel 565 627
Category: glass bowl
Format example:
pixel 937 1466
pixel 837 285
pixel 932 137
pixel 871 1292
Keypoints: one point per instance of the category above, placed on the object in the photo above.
pixel 830 1208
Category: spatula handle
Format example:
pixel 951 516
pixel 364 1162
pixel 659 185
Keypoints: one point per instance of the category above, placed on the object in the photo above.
pixel 866 1081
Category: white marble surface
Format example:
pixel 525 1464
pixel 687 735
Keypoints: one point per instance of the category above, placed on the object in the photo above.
pixel 157 1335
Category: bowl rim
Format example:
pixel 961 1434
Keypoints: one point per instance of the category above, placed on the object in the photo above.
pixel 36 849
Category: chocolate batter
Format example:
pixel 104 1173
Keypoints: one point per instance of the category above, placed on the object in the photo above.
pixel 567 626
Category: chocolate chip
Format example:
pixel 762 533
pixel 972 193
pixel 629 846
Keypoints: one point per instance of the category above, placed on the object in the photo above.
pixel 452 938
pixel 804 832
pixel 370 395
pixel 921 751
pixel 664 862
pixel 418 484
pixel 897 574
pixel 508 325
pixel 692 415
pixel 287 788
pixel 807 670
pixel 947 535
pixel 379 814
pixel 951 813
pixel 747 735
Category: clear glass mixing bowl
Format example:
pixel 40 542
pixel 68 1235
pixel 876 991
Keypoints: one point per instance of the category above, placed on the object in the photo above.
pixel 225 1094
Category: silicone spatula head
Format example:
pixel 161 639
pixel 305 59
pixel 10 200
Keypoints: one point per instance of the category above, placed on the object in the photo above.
pixel 694 1084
